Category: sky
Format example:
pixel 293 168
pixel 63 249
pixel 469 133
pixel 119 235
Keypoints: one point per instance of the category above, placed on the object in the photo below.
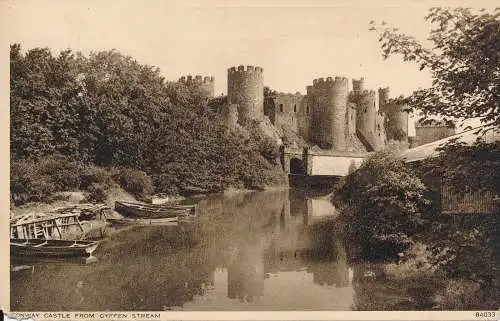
pixel 294 41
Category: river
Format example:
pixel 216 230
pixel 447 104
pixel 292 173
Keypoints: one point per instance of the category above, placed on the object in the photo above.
pixel 271 250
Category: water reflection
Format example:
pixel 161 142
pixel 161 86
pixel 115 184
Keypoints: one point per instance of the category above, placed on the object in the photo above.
pixel 265 251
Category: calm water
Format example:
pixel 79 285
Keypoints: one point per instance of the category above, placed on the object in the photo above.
pixel 274 250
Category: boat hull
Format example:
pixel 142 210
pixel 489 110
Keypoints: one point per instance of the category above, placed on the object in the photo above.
pixel 35 248
pixel 128 221
pixel 145 211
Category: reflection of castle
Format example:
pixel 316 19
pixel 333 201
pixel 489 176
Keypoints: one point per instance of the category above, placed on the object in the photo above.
pixel 246 274
pixel 299 245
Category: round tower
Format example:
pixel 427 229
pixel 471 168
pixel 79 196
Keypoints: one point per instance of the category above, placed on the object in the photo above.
pixel 383 97
pixel 245 87
pixel 366 117
pixel 396 121
pixel 329 107
pixel 204 84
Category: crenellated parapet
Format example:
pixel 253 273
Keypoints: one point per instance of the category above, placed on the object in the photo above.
pixel 204 84
pixel 245 87
pixel 196 80
pixel 247 70
pixel 329 82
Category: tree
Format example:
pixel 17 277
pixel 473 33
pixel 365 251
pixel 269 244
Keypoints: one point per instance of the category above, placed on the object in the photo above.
pixel 382 201
pixel 464 63
pixel 106 109
pixel 465 66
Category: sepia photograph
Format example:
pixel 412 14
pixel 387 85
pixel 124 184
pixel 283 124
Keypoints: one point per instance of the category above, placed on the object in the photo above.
pixel 171 156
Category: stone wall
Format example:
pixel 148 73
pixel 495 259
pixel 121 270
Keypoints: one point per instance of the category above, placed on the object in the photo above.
pixel 425 134
pixel 204 84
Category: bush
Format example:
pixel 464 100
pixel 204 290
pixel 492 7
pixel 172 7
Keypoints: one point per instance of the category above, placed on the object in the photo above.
pixel 135 182
pixel 269 150
pixel 64 173
pixel 382 204
pixel 97 193
pixel 29 184
pixel 96 175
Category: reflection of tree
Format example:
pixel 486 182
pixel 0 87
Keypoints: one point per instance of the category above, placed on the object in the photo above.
pixel 330 273
pixel 375 291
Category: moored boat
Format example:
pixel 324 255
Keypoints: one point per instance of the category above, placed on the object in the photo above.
pixel 141 210
pixel 141 221
pixel 51 248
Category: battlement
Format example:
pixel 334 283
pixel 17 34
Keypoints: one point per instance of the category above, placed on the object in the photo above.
pixel 198 79
pixel 248 69
pixel 282 94
pixel 329 82
pixel 358 84
pixel 368 93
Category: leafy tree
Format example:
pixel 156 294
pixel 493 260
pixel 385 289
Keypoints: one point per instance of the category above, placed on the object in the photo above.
pixel 464 63
pixel 111 111
pixel 382 201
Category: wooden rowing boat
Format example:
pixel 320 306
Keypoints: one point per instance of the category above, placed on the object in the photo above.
pixel 51 248
pixel 152 221
pixel 141 210
pixel 163 206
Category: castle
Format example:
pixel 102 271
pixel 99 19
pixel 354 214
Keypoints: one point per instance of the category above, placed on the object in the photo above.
pixel 329 115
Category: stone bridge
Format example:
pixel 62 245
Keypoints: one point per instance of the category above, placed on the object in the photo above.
pixel 316 162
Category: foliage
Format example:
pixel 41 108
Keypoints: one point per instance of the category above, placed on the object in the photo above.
pixel 465 67
pixel 110 111
pixel 97 175
pixel 465 247
pixel 27 184
pixel 382 204
pixel 465 167
pixel 97 193
pixel 64 173
pixel 135 182
pixel 464 62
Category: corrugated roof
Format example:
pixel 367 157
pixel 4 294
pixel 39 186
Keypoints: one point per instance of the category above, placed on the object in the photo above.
pixel 469 137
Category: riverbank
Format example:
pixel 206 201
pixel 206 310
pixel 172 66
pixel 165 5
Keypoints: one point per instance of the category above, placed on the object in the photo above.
pixel 93 227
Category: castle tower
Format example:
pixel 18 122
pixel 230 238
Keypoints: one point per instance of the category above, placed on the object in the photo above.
pixel 358 85
pixel 204 84
pixel 328 102
pixel 245 87
pixel 396 122
pixel 366 118
pixel 383 97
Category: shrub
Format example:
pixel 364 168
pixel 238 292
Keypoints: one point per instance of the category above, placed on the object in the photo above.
pixel 96 175
pixel 29 184
pixel 382 204
pixel 64 173
pixel 269 149
pixel 97 193
pixel 135 182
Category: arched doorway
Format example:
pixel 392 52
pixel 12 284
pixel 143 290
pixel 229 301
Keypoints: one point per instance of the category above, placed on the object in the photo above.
pixel 297 166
